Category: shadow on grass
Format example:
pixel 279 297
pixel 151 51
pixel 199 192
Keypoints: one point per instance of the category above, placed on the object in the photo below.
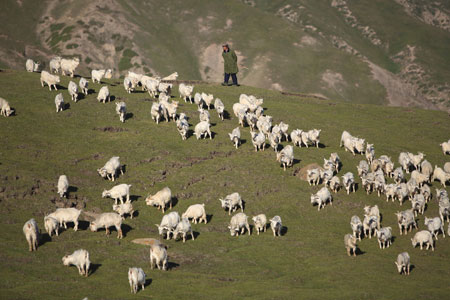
pixel 91 91
pixel 66 106
pixel 172 265
pixel 226 115
pixel 148 282
pixel 359 252
pixel 295 161
pixel 209 218
pixel 125 229
pixel 284 230
pixel 174 201
pixel 83 225
pixel 322 145
pixel 45 238
pixel 134 198
pixel 93 268
pixel 129 116
pixel 60 87
pixel 72 189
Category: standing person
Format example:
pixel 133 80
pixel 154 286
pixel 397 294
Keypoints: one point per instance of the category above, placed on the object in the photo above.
pixel 229 65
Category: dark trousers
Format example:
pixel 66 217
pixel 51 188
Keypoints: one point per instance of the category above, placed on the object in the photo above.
pixel 233 77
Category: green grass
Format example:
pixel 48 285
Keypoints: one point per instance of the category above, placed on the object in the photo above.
pixel 308 262
pixel 125 61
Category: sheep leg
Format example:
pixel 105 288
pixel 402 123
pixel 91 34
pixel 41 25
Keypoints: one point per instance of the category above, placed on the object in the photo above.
pixel 192 235
pixel 107 230
pixel 76 225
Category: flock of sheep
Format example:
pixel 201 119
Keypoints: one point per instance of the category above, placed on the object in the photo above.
pixel 249 112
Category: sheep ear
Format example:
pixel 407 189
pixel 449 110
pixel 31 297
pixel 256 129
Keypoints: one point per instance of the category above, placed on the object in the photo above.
pixel 157 225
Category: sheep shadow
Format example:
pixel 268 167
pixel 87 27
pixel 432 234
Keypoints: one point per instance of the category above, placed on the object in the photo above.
pixel 129 116
pixel 322 145
pixel 243 141
pixel 189 133
pixel 93 268
pixel 226 115
pixel 125 229
pixel 295 161
pixel 44 238
pixel 172 265
pixel 83 225
pixel 66 106
pixel 60 87
pixel 72 189
pixel 80 96
pixel 134 198
pixel 148 282
pixel 135 214
pixel 174 201
pixel 209 218
pixel 284 230
pixel 359 252
pixel 91 91
pixel 112 98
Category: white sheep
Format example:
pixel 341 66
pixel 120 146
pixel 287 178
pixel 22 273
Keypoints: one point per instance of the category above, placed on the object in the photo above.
pixel 446 167
pixel 220 107
pixel 118 192
pixel 63 186
pixel 196 212
pixel 445 147
pixel 80 259
pixel 421 238
pixel 66 215
pixel 73 91
pixel 109 73
pixel 171 108
pixel 32 66
pixel 183 228
pixel 55 64
pixel 357 227
pixel 160 199
pixel 232 202
pixel 349 182
pixel 403 263
pixel 59 102
pixel 314 137
pixel 84 86
pixel 258 140
pixel 384 236
pixel 398 175
pixel 121 110
pixel 260 223
pixel 434 225
pixel 370 225
pixel 286 156
pixel 168 223
pixel 164 87
pixel 418 204
pixel 420 178
pixel 123 209
pixel 335 184
pixel 171 77
pixel 183 128
pixel 350 244
pixel 49 79
pixel 158 256
pixel 405 161
pixel 202 128
pixel 372 211
pixel 69 65
pixel 207 99
pixel 109 170
pixel 296 137
pixel 5 109
pixel 204 115
pixel 51 224
pixel 238 107
pixel 151 85
pixel 326 176
pixel 370 152
pixel 313 176
pixel 238 224
pixel 276 225
pixel 406 220
pixel 107 220
pixel 156 112
pixel 441 175
pixel 426 192
pixel 186 92
pixel 352 143
pixel 363 168
pixel 103 94
pixel 31 231
pixel 128 85
pixel 136 277
pixel 274 141
pixel 416 159
pixel 235 137
pixel 97 75
pixel 321 198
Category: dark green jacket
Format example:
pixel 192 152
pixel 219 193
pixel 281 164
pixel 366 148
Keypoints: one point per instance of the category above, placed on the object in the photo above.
pixel 230 62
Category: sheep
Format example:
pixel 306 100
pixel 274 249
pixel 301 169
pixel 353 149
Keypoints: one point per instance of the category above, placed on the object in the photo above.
pixel 379 182
pixel 160 199
pixel 387 165
pixel 118 192
pixel 258 140
pixel 186 92
pixel 384 236
pixel 441 175
pixel 97 75
pixel 305 138
pixel 349 182
pixel 398 175
pixel 389 191
pixel 423 237
pixel 32 66
pixel 49 79
pixel 63 186
pixel 136 277
pixel 368 182
pixel 168 223
pixel 427 169
pixel 284 130
pixel 264 124
pixel 434 225
pixel 171 108
pixel 274 141
pixel 321 198
pixel 351 143
pixel 158 256
pixel 372 211
pixel 121 110
pixel 109 170
pixel 260 223
pixel 51 224
pixel 238 224
pixel 103 95
pixel 123 209
pixel 73 91
pixel 363 168
pixel 204 115
pixel 314 137
pixel 350 244
pixel 108 73
pixel 151 85
pixel 5 109
pixel 326 176
pixel 59 102
pixel 370 224
pixel 336 160
pixel 183 228
pixel 357 226
pixel 286 156
pixel 446 167
pixel 313 176
pixel 418 204
pixel 235 137
pixel 375 165
pixel 207 99
pixel 127 84
pixel 251 120
pixel 416 159
pixel 238 107
pixel 426 192
pixel 198 100
pixel 275 224
pixel 55 64
pixel 232 202
pixel 242 117
pixel 80 259
pixel 403 263
pixel 335 184
pixel 196 212
pixel 202 128
pixel 218 105
pixel 69 65
pixel 84 86
pixel 31 231
pixel 370 153
pixel 401 193
pixel 296 137
pixel 171 77
pixel 183 128
pixel 66 215
pixel 156 112
pixel 445 147
pixel 107 220
pixel 420 178
pixel 164 87
pixel 405 161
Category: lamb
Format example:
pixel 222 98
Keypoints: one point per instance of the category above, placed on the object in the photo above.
pixel 32 66
pixel 183 128
pixel 63 186
pixel 186 92
pixel 103 95
pixel 434 225
pixel 158 256
pixel 357 227
pixel 370 224
pixel 31 231
pixel 349 182
pixel 69 65
pixel 107 220
pixel 136 277
pixel 238 224
pixel 440 175
pixel 55 64
pixel 363 168
pixel 84 86
pixel 350 244
pixel 313 176
pixel 335 184
pixel 202 128
pixel 260 223
pixel 123 209
pixel 418 204
pixel 370 153
pixel 168 223
pixel 445 147
pixel 196 212
pixel 275 224
pixel 5 109
pixel 183 228
pixel 406 220
pixel 232 202
pixel 384 236
pixel 160 199
pixel 59 102
pixel 80 259
pixel 97 75
pixel 109 170
pixel 405 161
pixel 403 263
pixel 128 85
pixel 156 112
pixel 258 140
pixel 118 192
pixel 121 110
pixel 286 156
pixel 235 136
pixel 66 215
pixel 49 79
pixel 73 91
pixel 321 198
pixel 218 105
pixel 421 238
pixel 51 224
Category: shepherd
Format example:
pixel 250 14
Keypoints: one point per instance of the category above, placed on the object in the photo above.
pixel 229 65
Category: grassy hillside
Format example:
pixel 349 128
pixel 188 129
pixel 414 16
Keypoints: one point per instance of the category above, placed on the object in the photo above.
pixel 308 261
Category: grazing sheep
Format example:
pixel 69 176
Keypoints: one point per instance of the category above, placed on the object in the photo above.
pixel 121 110
pixel 136 277
pixel 55 64
pixel 405 161
pixel 335 184
pixel 186 92
pixel 421 238
pixel 445 147
pixel 168 223
pixel 80 259
pixel 446 167
pixel 107 220
pixel 183 128
pixel 109 170
pixel 275 224
pixel 128 85
pixel 238 224
pixel 73 91
pixel 357 227
pixel 326 176
pixel 164 87
pixel 372 211
pixel 63 186
pixel 349 182
pixel 427 169
pixel 441 175
pixel 313 176
pixel 183 228
pixel 232 202
pixel 51 224
pixel 258 140
pixel 103 95
pixel 97 75
pixel 218 105
pixel 158 256
pixel 160 199
pixel 31 66
pixel 406 220
pixel 384 236
pixel 204 115
pixel 403 263
pixel 434 225
pixel 321 198
pixel 363 168
pixel 370 153
pixel 202 128
pixel 260 223
pixel 418 204
pixel 69 65
pixel 59 102
pixel 416 159
pixel 118 192
pixel 49 79
pixel 398 175
pixel 420 178
pixel 84 85
pixel 350 244
pixel 286 156
pixel 196 212
pixel 123 209
pixel 370 225
pixel 66 215
pixel 5 109
pixel 235 136
pixel 31 231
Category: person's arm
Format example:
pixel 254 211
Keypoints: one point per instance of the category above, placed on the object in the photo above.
pixel 234 57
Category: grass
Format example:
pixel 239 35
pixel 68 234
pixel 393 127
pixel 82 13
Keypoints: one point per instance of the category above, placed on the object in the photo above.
pixel 309 261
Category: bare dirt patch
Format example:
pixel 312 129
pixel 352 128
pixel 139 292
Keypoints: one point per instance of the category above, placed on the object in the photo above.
pixel 110 129
pixel 301 173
